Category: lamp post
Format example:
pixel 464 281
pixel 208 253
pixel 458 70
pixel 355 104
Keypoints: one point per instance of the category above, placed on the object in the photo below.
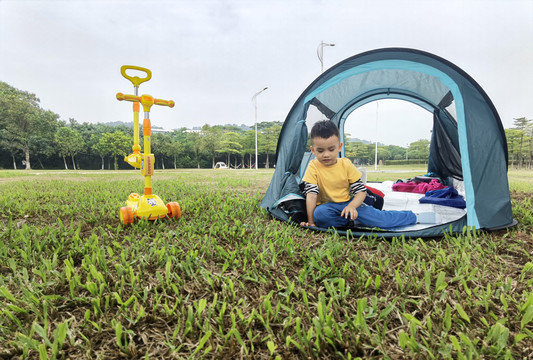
pixel 254 99
pixel 320 54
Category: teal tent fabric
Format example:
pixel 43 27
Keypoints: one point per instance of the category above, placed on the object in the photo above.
pixel 468 141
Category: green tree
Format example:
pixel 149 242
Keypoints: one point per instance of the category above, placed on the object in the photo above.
pixel 230 145
pixel 69 143
pixel 193 141
pixel 269 141
pixel 383 153
pixel 266 124
pixel 23 118
pixel 100 147
pixel 91 133
pixel 160 143
pixel 529 137
pixel 350 150
pixel 114 144
pixel 42 142
pixel 9 143
pixel 521 124
pixel 419 149
pixel 396 152
pixel 248 143
pixel 211 138
pixel 513 143
pixel 175 149
pixel 370 150
pixel 359 152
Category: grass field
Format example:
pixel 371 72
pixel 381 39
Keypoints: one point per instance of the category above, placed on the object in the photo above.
pixel 226 281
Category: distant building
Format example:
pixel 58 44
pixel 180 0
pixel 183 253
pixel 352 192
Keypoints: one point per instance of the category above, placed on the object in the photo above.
pixel 195 129
pixel 160 130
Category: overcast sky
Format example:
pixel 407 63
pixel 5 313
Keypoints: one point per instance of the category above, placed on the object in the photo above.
pixel 211 57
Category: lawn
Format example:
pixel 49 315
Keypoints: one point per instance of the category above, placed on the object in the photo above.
pixel 226 281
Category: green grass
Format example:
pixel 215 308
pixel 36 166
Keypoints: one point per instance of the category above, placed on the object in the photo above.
pixel 226 281
pixel 521 180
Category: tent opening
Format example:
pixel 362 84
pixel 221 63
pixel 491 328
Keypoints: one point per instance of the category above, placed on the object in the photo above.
pixel 389 122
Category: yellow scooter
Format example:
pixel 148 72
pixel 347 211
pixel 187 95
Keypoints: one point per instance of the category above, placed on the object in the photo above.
pixel 148 206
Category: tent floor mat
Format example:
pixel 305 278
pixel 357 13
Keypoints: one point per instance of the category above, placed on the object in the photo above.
pixel 395 200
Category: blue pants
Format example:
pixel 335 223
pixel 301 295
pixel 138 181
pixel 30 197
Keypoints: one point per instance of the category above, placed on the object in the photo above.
pixel 329 214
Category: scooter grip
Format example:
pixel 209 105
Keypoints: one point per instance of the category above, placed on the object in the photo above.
pixel 133 98
pixel 168 103
pixel 135 79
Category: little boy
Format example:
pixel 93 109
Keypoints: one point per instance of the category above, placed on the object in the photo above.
pixel 330 182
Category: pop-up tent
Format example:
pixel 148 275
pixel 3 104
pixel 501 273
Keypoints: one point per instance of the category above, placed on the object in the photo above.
pixel 468 141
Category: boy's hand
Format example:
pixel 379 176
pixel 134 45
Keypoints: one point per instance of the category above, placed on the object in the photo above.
pixel 303 223
pixel 350 211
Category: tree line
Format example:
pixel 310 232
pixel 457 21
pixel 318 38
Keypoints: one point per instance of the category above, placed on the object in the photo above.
pixel 520 143
pixel 31 137
pixel 365 154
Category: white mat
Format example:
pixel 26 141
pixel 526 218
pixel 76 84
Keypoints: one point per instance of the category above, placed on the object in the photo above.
pixel 396 200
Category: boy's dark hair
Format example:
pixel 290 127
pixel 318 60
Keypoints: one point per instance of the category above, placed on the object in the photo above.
pixel 324 129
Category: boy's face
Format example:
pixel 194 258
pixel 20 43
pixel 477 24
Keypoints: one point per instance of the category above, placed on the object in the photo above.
pixel 326 150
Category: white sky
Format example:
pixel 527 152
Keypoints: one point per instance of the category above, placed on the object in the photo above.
pixel 211 57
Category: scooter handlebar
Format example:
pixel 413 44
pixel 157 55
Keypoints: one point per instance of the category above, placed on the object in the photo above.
pixel 135 79
pixel 133 98
pixel 168 103
pixel 146 100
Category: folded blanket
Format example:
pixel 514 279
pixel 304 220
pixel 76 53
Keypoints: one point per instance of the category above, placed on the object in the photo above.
pixel 418 187
pixel 446 197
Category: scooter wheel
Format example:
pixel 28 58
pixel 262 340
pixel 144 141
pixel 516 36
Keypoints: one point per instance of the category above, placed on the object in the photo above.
pixel 174 210
pixel 126 215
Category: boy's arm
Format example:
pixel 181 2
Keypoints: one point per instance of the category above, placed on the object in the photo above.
pixel 309 187
pixel 311 194
pixel 310 204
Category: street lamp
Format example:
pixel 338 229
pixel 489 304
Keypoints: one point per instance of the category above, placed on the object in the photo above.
pixel 254 99
pixel 320 54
